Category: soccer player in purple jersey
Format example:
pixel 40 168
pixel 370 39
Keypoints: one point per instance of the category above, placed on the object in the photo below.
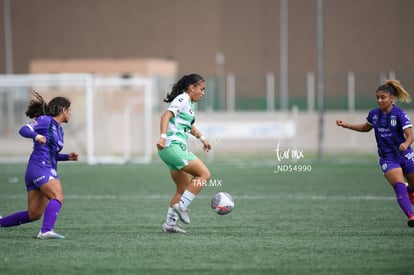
pixel 393 133
pixel 44 189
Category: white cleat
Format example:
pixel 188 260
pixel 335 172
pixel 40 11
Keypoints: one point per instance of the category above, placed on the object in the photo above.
pixel 172 229
pixel 49 235
pixel 182 214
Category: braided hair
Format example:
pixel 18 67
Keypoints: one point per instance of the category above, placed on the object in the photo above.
pixel 38 106
pixel 182 85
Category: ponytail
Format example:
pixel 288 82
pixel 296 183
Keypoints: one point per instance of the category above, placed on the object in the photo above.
pixel 38 107
pixel 395 88
pixel 182 85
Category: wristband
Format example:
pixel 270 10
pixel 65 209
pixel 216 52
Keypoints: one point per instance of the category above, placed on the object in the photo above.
pixel 163 136
pixel 202 138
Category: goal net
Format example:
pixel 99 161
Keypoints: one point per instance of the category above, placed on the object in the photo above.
pixel 111 118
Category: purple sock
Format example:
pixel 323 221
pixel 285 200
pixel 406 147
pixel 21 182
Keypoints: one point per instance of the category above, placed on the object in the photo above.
pixel 402 199
pixel 50 215
pixel 15 219
pixel 410 189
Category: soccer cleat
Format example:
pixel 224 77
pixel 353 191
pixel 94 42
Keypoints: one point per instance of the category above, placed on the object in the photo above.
pixel 182 214
pixel 49 235
pixel 172 228
pixel 410 222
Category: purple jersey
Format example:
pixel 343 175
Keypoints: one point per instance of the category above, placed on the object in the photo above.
pixel 48 153
pixel 389 130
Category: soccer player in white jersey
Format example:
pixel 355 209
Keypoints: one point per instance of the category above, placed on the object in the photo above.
pixel 393 133
pixel 186 170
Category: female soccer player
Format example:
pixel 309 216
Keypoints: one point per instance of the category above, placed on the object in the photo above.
pixel 187 171
pixel 393 133
pixel 44 189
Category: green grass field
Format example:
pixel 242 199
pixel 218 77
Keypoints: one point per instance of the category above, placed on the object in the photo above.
pixel 339 218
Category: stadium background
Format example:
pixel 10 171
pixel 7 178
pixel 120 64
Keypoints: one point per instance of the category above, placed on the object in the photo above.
pixel 339 218
pixel 372 39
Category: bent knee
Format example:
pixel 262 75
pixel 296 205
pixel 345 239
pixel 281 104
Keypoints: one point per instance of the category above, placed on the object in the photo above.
pixel 206 175
pixel 59 197
pixel 35 215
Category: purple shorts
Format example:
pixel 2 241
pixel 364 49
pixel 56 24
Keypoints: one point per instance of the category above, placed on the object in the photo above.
pixel 38 174
pixel 405 162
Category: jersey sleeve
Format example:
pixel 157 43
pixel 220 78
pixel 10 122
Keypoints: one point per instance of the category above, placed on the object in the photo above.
pixel 62 157
pixel 177 105
pixel 404 120
pixel 27 131
pixel 369 117
pixel 34 127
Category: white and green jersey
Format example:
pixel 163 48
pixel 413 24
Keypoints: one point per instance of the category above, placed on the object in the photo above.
pixel 180 124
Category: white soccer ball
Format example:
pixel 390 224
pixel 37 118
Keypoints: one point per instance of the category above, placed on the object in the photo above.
pixel 222 203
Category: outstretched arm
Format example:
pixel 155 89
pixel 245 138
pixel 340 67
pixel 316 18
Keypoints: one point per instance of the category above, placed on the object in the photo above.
pixel 365 127
pixel 71 156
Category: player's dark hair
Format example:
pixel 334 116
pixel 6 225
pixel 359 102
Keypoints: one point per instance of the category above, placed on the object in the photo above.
pixel 182 85
pixel 38 106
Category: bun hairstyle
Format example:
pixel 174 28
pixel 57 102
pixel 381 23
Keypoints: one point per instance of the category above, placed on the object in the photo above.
pixel 395 88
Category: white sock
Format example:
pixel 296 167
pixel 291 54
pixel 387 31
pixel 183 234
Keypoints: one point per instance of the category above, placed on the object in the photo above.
pixel 172 217
pixel 186 199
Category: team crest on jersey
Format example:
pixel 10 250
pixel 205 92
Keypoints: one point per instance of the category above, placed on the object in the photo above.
pixel 393 121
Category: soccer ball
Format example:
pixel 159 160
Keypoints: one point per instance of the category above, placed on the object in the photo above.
pixel 222 203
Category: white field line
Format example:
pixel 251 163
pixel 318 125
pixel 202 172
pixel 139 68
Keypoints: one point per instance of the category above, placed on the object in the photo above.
pixel 242 197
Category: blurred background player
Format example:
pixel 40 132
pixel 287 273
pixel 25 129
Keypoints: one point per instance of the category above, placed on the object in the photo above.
pixel 393 133
pixel 187 171
pixel 44 189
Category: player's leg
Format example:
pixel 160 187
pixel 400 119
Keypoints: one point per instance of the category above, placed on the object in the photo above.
pixel 36 202
pixel 396 179
pixel 408 170
pixel 52 190
pixel 182 198
pixel 410 186
pixel 200 175
pixel 181 180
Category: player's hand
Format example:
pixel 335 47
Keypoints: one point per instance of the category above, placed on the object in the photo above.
pixel 41 139
pixel 73 156
pixel 206 145
pixel 341 123
pixel 403 147
pixel 161 144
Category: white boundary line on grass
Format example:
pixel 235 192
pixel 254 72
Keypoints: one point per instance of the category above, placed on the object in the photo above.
pixel 243 197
